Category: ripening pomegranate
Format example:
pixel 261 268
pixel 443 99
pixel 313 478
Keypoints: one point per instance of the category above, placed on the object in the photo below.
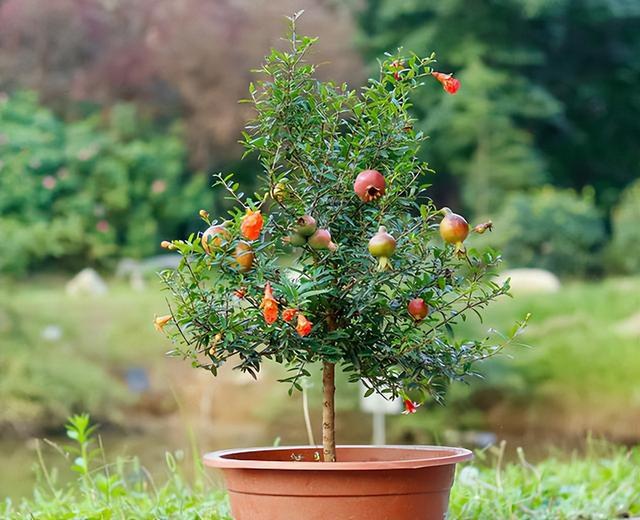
pixel 453 227
pixel 305 226
pixel 382 246
pixel 418 309
pixel 369 185
pixel 244 257
pixel 321 239
pixel 213 237
pixel 297 240
pixel 279 192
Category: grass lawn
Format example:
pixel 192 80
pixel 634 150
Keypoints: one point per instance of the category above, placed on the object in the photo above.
pixel 63 353
pixel 583 364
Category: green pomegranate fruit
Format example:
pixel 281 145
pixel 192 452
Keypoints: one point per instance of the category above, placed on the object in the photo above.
pixel 297 240
pixel 382 246
pixel 279 192
pixel 305 226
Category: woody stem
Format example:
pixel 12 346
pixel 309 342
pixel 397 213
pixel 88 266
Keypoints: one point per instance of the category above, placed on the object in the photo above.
pixel 328 412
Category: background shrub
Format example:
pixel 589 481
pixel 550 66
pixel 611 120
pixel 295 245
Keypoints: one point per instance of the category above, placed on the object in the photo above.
pixel 80 193
pixel 624 251
pixel 557 230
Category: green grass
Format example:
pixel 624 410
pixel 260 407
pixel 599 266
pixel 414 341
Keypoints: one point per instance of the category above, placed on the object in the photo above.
pixel 578 338
pixel 584 356
pixel 600 484
pixel 42 382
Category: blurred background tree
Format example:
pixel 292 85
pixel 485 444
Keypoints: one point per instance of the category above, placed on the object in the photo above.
pixel 190 59
pixel 548 92
pixel 553 229
pixel 105 186
pixel 541 104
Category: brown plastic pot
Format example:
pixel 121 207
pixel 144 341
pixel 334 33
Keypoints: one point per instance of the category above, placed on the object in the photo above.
pixel 367 482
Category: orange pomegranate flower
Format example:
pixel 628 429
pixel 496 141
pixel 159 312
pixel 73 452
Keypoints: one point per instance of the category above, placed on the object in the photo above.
pixel 289 314
pixel 269 305
pixel 160 321
pixel 410 407
pixel 304 325
pixel 449 83
pixel 252 224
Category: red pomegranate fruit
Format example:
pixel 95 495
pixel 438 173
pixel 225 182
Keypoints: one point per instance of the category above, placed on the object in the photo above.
pixel 418 309
pixel 369 185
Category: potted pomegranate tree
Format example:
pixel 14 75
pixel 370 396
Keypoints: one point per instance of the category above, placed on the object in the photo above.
pixel 343 262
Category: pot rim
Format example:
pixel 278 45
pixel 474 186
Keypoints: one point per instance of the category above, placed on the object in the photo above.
pixel 223 458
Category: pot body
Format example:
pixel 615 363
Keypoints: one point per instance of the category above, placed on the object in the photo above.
pixel 367 482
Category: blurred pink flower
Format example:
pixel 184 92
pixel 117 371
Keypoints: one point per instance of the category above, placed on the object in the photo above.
pixel 86 153
pixel 158 186
pixel 102 226
pixel 49 182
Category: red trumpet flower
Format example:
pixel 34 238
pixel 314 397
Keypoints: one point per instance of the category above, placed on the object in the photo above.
pixel 410 407
pixel 252 224
pixel 449 83
pixel 269 305
pixel 304 325
pixel 289 314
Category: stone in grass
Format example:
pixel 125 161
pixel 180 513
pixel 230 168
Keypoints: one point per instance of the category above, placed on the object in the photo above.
pixel 528 280
pixel 629 327
pixel 137 270
pixel 86 282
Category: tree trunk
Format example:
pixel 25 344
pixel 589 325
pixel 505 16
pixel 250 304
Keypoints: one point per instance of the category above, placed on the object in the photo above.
pixel 328 412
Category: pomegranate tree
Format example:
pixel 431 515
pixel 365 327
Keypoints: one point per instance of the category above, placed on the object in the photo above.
pixel 341 261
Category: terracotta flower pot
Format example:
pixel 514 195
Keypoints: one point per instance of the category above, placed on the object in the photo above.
pixel 367 482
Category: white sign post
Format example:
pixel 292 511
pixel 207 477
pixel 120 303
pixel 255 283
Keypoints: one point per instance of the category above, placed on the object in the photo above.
pixel 379 407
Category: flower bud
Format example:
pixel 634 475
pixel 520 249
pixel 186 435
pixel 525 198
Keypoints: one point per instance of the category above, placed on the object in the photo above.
pixel 481 228
pixel 160 321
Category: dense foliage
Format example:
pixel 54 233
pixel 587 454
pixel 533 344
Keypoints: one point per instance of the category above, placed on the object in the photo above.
pixel 557 230
pixel 102 187
pixel 312 139
pixel 549 91
pixel 600 484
